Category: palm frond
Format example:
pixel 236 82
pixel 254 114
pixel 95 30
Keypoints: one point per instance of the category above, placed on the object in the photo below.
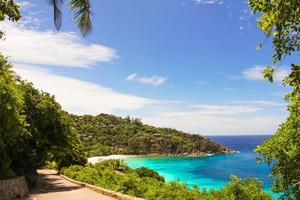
pixel 56 12
pixel 82 15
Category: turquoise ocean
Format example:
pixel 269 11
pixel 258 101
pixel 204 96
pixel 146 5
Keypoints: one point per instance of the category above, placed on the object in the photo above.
pixel 212 172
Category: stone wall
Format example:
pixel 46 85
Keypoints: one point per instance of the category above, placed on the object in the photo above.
pixel 106 192
pixel 12 188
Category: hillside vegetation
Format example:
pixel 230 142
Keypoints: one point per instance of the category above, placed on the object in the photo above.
pixel 107 134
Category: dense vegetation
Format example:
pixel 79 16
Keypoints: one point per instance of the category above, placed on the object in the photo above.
pixel 147 184
pixel 107 134
pixel 8 10
pixel 280 21
pixel 33 128
pixel 33 122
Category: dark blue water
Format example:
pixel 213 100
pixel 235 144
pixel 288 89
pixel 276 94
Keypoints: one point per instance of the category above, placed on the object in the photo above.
pixel 212 172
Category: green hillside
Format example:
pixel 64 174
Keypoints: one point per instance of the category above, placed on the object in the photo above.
pixel 107 134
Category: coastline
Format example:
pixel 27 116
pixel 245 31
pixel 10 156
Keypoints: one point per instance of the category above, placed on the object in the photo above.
pixel 95 159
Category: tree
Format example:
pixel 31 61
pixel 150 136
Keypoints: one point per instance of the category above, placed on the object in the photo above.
pixel 244 189
pixel 81 10
pixel 280 21
pixel 33 128
pixel 10 10
pixel 283 148
pixel 145 172
pixel 12 119
pixel 50 128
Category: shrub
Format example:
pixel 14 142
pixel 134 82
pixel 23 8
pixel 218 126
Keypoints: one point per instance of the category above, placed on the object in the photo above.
pixel 147 184
pixel 145 172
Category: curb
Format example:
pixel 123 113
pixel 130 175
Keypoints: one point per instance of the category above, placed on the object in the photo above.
pixel 106 192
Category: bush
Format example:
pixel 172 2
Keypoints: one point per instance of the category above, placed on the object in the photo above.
pixel 147 184
pixel 115 164
pixel 145 172
pixel 50 165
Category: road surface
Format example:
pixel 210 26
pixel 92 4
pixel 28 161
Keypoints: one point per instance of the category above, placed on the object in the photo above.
pixel 53 187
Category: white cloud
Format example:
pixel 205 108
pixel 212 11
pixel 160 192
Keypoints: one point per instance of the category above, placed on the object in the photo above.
pixel 81 97
pixel 151 80
pixel 199 2
pixel 210 109
pixel 258 103
pixel 131 77
pixel 24 43
pixel 256 73
pixel 214 124
pixel 30 46
pixel 227 119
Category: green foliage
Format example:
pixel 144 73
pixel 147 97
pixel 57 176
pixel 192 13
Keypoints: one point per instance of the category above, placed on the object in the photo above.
pixel 82 14
pixel 50 128
pixel 283 149
pixel 33 128
pixel 113 134
pixel 145 172
pixel 9 10
pixel 144 183
pixel 117 164
pixel 12 119
pixel 50 165
pixel 244 189
pixel 268 73
pixel 280 20
pixel 81 10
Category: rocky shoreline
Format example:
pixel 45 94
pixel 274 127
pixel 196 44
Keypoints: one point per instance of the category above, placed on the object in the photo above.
pixel 193 154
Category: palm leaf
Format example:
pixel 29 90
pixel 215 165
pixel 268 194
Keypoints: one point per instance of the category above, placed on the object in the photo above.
pixel 56 12
pixel 82 15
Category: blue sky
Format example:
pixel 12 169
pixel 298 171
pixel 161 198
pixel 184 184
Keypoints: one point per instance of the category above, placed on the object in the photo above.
pixel 186 64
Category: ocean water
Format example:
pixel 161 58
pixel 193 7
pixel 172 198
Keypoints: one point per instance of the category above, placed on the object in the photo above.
pixel 212 172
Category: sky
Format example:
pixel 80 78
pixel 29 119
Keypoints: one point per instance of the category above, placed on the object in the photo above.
pixel 185 64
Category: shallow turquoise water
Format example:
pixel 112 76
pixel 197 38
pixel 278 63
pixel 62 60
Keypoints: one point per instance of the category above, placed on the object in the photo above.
pixel 211 172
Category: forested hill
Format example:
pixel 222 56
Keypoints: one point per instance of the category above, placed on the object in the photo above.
pixel 107 134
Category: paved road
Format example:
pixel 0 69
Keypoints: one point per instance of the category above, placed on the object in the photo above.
pixel 53 187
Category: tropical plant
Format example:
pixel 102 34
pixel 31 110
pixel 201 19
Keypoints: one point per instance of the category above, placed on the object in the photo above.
pixel 81 10
pixel 116 164
pixel 280 21
pixel 282 150
pixel 145 172
pixel 145 184
pixel 33 128
pixel 50 128
pixel 9 9
pixel 12 119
